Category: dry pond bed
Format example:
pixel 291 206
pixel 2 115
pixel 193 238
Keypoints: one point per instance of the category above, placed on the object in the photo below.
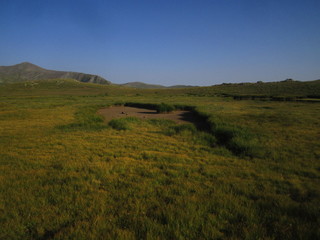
pixel 115 112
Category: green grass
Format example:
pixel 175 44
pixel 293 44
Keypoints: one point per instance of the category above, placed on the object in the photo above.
pixel 65 174
pixel 86 118
pixel 280 91
pixel 123 123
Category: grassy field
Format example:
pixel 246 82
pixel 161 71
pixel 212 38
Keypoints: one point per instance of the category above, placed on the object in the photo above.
pixel 252 173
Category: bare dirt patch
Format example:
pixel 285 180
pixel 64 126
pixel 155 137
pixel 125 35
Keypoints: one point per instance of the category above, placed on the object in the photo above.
pixel 122 111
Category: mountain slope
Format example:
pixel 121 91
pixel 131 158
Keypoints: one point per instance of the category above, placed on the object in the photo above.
pixel 141 85
pixel 27 71
pixel 182 86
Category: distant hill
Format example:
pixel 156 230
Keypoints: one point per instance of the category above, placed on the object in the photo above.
pixel 142 85
pixel 286 88
pixel 50 87
pixel 182 86
pixel 27 71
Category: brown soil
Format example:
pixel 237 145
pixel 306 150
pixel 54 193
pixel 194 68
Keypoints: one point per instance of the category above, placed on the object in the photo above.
pixel 122 111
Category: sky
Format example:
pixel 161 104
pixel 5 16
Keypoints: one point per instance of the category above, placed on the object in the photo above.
pixel 168 42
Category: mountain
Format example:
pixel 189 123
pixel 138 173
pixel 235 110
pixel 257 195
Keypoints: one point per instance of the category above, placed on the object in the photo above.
pixel 142 85
pixel 182 86
pixel 27 71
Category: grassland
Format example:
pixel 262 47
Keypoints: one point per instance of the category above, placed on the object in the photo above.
pixel 275 90
pixel 64 174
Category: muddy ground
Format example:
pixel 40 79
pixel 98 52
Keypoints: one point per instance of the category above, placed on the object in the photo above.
pixel 122 111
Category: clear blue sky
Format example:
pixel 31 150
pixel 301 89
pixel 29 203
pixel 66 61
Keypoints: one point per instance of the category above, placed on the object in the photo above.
pixel 196 42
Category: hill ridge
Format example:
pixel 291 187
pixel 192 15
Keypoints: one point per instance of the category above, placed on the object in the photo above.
pixel 143 85
pixel 28 71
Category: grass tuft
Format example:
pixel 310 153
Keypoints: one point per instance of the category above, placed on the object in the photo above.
pixel 123 123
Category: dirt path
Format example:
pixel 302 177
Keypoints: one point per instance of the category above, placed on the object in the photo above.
pixel 122 111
